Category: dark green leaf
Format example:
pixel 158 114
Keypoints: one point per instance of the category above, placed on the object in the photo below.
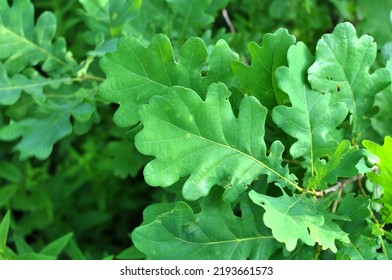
pixel 213 233
pixel 259 79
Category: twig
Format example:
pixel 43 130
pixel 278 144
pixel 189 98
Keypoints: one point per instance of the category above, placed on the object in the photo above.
pixel 229 23
pixel 342 185
pixel 336 202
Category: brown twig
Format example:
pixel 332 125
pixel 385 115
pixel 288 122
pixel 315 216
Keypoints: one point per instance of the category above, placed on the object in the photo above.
pixel 342 185
pixel 229 23
pixel 336 202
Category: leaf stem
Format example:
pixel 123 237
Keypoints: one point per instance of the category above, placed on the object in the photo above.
pixel 89 77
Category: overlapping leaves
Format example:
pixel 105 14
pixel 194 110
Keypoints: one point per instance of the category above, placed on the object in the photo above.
pixel 135 73
pixel 36 73
pixel 310 119
pixel 41 128
pixel 341 164
pixel 23 44
pixel 300 218
pixel 259 79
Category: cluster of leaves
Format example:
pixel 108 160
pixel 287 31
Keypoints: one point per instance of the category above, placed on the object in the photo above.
pixel 258 160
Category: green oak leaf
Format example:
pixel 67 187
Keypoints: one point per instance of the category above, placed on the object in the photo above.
pixel 300 218
pixel 357 209
pixel 384 153
pixel 311 119
pixel 342 68
pixel 259 79
pixel 50 130
pixel 12 87
pixel 204 139
pixel 180 232
pixel 190 16
pixel 135 73
pixel 341 164
pixel 22 44
pixel 219 64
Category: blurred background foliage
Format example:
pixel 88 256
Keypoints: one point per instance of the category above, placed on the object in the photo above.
pixel 86 197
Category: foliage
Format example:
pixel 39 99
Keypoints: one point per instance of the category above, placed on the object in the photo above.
pixel 264 127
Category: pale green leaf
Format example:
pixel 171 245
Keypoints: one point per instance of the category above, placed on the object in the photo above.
pixel 384 178
pixel 213 233
pixel 204 139
pixel 135 73
pixel 300 218
pixel 24 43
pixel 342 69
pixel 311 119
pixel 259 79
pixel 341 164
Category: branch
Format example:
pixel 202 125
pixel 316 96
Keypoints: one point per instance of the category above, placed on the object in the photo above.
pixel 341 185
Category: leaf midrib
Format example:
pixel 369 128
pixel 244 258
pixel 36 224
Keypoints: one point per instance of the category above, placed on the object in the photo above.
pixel 234 150
pixel 40 49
